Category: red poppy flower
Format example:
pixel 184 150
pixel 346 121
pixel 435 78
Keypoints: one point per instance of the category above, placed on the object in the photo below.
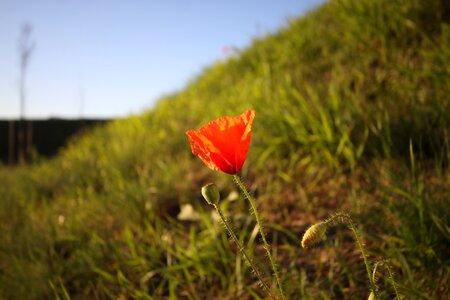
pixel 223 143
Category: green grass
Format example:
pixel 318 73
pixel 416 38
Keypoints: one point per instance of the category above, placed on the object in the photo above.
pixel 352 113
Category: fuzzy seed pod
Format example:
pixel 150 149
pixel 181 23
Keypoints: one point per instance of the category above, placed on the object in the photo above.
pixel 211 193
pixel 314 234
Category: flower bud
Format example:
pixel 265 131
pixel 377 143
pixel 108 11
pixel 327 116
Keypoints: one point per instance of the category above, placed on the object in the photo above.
pixel 314 234
pixel 371 296
pixel 211 193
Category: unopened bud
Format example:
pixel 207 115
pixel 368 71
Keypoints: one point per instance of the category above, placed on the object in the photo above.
pixel 371 296
pixel 211 193
pixel 314 234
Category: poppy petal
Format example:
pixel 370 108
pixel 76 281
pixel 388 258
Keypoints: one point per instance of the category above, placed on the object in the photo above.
pixel 223 143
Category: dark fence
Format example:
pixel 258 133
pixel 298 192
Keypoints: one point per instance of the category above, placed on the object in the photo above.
pixel 20 139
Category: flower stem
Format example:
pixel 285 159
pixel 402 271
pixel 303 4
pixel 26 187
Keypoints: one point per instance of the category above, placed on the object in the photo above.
pixel 363 253
pixel 243 252
pixel 394 284
pixel 261 230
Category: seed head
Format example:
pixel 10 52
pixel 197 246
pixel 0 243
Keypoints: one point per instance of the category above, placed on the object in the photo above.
pixel 314 234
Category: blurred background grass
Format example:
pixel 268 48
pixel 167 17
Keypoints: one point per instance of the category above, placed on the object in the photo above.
pixel 352 113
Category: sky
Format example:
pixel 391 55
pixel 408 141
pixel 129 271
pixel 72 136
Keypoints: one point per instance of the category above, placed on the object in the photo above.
pixel 108 58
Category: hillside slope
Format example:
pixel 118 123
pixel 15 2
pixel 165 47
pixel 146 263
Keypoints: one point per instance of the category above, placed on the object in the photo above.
pixel 352 113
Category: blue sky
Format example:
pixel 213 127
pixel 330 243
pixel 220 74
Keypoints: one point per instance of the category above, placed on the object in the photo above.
pixel 106 58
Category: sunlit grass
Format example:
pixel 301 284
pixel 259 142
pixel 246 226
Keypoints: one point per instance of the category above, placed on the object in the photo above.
pixel 353 113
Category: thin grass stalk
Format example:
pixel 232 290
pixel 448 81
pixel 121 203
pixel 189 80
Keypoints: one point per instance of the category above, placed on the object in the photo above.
pixel 363 253
pixel 394 284
pixel 239 183
pixel 243 252
pixel 346 219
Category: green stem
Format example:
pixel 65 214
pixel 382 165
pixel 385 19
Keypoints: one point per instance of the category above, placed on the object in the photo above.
pixel 391 275
pixel 363 253
pixel 243 252
pixel 261 230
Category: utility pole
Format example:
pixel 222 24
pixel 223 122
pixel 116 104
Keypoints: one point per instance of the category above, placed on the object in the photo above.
pixel 81 103
pixel 26 47
pixel 11 142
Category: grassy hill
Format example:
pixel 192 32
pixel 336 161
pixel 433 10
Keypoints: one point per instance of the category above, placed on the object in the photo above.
pixel 352 114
